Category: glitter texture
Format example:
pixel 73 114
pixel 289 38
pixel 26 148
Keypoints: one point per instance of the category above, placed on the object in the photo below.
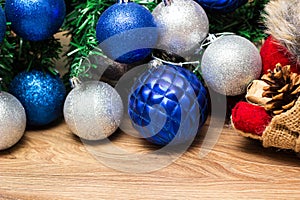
pixel 229 64
pixel 2 24
pixel 166 105
pixel 182 26
pixel 93 110
pixel 35 20
pixel 12 120
pixel 41 94
pixel 128 23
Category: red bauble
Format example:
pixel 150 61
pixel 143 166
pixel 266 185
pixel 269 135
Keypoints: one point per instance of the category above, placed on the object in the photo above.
pixel 272 52
pixel 249 118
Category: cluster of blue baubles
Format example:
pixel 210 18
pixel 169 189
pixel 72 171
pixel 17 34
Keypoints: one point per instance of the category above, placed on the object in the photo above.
pixel 167 104
pixel 41 93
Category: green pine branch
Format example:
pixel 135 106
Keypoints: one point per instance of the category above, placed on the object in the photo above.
pixel 37 55
pixel 6 61
pixel 81 25
pixel 246 21
pixel 6 56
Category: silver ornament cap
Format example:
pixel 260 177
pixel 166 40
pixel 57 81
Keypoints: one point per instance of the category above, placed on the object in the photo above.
pixel 93 110
pixel 229 64
pixel 182 26
pixel 12 120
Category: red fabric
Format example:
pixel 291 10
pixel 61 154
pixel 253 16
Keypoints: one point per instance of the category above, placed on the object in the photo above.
pixel 272 53
pixel 250 118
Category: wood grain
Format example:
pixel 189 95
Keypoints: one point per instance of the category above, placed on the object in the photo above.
pixel 53 164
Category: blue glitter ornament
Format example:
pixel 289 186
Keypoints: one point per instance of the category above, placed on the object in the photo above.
pixel 223 6
pixel 35 20
pixel 126 32
pixel 2 24
pixel 41 94
pixel 168 105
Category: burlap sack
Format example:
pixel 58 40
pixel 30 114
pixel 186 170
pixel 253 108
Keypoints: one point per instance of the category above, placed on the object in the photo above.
pixel 283 130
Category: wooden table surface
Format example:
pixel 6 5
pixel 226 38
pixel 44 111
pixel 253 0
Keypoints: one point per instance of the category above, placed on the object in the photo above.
pixel 54 164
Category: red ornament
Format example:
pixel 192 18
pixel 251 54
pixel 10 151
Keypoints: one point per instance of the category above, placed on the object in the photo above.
pixel 250 118
pixel 272 52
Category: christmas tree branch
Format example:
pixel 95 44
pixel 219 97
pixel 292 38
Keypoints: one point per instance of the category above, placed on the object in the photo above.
pixel 246 21
pixel 37 55
pixel 81 25
pixel 6 55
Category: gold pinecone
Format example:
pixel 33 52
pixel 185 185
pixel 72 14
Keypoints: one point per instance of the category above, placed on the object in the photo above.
pixel 284 89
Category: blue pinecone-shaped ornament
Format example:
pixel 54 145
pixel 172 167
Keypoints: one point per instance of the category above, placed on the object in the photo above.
pixel 168 105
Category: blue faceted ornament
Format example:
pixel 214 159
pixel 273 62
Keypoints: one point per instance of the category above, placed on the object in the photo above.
pixel 2 24
pixel 42 95
pixel 223 6
pixel 127 32
pixel 168 105
pixel 35 20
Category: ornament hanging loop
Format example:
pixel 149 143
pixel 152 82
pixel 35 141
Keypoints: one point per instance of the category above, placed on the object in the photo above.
pixel 75 82
pixel 157 62
pixel 168 2
pixel 211 38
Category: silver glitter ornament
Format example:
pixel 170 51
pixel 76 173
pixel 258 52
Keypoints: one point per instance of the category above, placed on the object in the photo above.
pixel 229 64
pixel 12 120
pixel 182 26
pixel 93 110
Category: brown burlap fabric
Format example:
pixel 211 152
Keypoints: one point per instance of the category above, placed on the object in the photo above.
pixel 283 131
